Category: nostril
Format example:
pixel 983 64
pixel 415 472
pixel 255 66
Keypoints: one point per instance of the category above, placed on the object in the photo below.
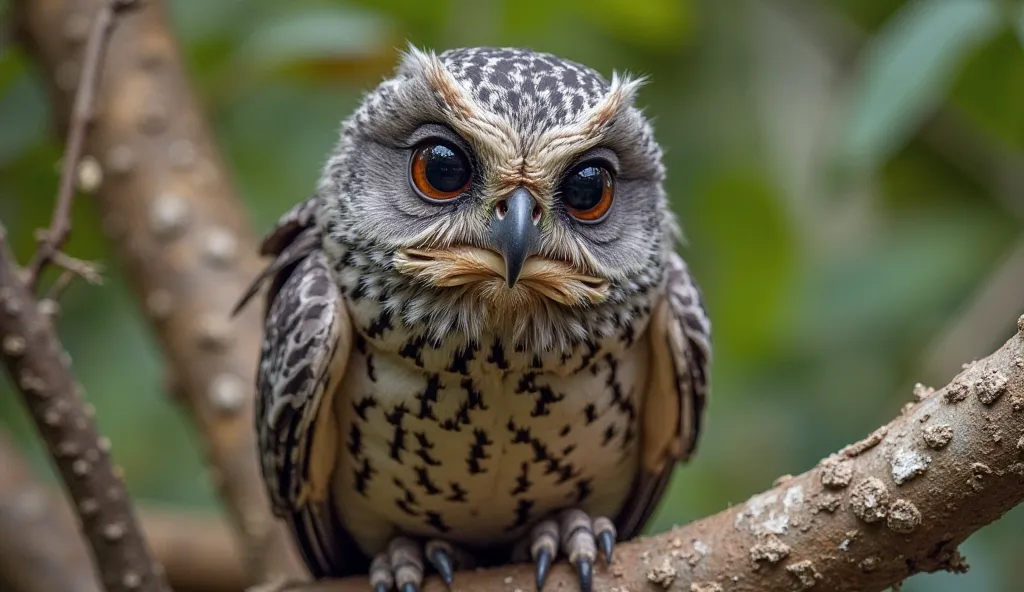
pixel 501 209
pixel 535 214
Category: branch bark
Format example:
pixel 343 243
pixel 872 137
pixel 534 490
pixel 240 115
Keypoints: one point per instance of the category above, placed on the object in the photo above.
pixel 40 369
pixel 893 505
pixel 182 236
pixel 41 549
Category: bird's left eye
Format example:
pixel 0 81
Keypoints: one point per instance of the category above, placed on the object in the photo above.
pixel 440 171
pixel 587 192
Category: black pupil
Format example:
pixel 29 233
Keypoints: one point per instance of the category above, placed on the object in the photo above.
pixel 582 191
pixel 446 170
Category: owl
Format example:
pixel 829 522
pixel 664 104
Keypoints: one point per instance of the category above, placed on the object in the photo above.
pixel 480 345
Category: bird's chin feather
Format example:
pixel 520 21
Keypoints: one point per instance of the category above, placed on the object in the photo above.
pixel 481 274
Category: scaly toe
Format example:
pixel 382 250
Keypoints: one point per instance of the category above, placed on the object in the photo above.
pixel 574 535
pixel 401 566
pixel 442 556
pixel 579 544
pixel 381 578
pixel 606 535
pixel 406 558
pixel 543 549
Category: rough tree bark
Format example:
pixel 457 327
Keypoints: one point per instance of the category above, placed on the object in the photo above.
pixel 40 546
pixel 893 505
pixel 39 367
pixel 181 235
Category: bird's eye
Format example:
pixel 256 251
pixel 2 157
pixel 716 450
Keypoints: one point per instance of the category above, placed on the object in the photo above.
pixel 587 192
pixel 440 171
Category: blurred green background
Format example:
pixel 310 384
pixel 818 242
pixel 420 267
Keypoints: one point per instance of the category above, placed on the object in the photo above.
pixel 849 174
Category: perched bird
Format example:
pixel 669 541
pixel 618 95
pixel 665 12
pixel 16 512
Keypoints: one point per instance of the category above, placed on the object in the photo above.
pixel 480 344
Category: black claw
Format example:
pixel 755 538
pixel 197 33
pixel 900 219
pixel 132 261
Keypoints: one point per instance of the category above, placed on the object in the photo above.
pixel 543 566
pixel 382 588
pixel 585 569
pixel 443 564
pixel 607 541
pixel 410 587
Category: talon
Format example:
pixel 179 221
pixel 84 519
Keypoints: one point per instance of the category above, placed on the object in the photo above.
pixel 410 587
pixel 440 557
pixel 579 544
pixel 585 571
pixel 607 541
pixel 544 548
pixel 382 588
pixel 606 534
pixel 575 535
pixel 543 560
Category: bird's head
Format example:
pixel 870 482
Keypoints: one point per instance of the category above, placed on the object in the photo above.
pixel 507 183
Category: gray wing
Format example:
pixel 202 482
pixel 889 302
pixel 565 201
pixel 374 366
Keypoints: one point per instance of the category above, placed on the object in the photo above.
pixel 680 339
pixel 306 344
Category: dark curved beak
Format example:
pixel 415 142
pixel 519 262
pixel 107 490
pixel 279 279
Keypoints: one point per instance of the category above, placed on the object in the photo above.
pixel 514 231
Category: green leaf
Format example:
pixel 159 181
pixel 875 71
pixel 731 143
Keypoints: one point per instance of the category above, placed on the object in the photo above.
pixel 905 73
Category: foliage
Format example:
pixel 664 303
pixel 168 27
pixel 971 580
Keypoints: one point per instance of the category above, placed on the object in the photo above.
pixel 836 237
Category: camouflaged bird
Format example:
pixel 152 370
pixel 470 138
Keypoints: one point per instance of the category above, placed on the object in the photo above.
pixel 480 344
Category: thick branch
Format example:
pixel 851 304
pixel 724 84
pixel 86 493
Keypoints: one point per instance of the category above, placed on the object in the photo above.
pixel 40 546
pixel 39 367
pixel 895 504
pixel 183 238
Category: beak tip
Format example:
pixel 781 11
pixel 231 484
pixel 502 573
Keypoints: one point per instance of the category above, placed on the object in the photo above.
pixel 511 276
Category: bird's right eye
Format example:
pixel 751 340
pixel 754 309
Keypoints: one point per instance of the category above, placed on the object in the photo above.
pixel 440 171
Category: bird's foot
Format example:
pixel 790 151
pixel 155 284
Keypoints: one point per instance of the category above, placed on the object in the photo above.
pixel 578 536
pixel 400 567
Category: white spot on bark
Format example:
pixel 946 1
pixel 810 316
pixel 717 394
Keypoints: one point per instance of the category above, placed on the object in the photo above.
pixel 908 463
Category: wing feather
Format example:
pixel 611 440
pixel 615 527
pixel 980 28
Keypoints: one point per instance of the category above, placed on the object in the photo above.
pixel 673 409
pixel 306 344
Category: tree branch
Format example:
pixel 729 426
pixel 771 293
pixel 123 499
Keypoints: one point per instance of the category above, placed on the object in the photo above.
pixel 40 369
pixel 60 225
pixel 183 238
pixel 893 505
pixel 40 546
